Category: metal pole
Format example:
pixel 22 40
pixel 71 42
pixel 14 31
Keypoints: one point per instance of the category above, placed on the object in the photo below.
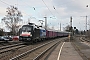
pixel 60 26
pixel 86 26
pixel 45 22
pixel 71 23
pixel 71 28
pixel 89 25
pixel 86 23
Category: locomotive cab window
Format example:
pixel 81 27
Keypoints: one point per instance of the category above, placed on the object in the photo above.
pixel 26 28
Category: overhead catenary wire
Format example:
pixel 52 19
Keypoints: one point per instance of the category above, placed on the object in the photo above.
pixel 28 5
pixel 5 3
pixel 55 10
pixel 34 8
pixel 11 5
pixel 31 7
pixel 47 7
pixel 58 14
pixel 31 17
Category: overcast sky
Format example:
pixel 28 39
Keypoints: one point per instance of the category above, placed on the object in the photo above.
pixel 59 11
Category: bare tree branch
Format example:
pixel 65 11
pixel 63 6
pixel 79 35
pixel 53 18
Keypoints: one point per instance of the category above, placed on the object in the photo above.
pixel 12 18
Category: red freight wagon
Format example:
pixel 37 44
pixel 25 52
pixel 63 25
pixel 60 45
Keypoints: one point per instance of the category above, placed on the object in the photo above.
pixel 49 34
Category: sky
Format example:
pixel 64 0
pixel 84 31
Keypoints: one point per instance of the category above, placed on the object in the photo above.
pixel 56 11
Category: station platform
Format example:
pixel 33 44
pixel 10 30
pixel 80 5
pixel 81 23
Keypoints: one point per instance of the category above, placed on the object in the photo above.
pixel 65 51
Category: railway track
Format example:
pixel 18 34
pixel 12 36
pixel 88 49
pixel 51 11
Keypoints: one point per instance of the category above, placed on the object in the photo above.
pixel 82 46
pixel 15 51
pixel 10 48
pixel 84 40
pixel 3 43
pixel 37 52
pixel 51 48
pixel 79 51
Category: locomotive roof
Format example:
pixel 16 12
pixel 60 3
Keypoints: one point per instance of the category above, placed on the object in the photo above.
pixel 42 28
pixel 31 23
pixel 27 25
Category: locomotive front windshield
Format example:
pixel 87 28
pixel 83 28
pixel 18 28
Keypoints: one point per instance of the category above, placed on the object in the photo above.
pixel 26 28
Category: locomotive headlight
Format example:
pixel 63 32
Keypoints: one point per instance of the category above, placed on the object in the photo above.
pixel 31 35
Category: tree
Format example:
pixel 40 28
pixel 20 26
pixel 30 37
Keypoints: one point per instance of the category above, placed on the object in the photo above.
pixel 12 19
pixel 67 28
pixel 88 33
pixel 76 31
pixel 1 32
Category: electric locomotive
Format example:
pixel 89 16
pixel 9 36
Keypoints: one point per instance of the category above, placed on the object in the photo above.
pixel 32 33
